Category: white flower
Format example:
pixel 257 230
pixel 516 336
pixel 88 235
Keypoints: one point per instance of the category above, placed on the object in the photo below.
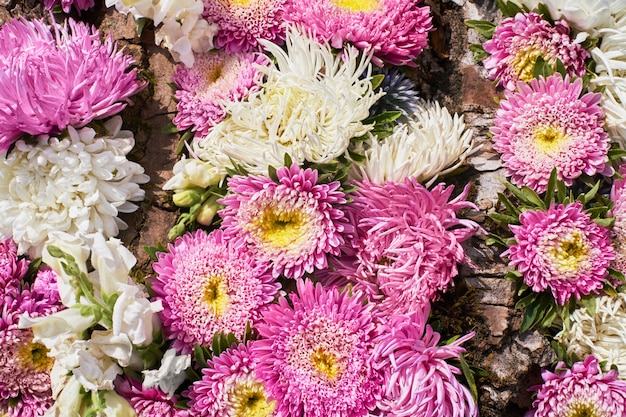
pixel 112 262
pixel 96 372
pixel 602 334
pixel 433 143
pixel 52 330
pixel 104 343
pixel 133 315
pixel 171 373
pixel 184 37
pixel 310 106
pixel 117 406
pixel 69 403
pixel 76 184
pixel 192 172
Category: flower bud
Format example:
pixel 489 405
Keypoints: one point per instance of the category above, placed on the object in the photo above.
pixel 208 211
pixel 187 198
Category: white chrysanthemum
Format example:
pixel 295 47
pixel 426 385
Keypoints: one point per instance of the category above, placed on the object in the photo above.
pixel 76 184
pixel 433 143
pixel 310 106
pixel 602 334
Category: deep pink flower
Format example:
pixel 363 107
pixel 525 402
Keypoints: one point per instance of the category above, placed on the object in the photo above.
pixel 215 79
pixel 547 125
pixel 148 402
pixel 230 387
pixel 418 380
pixel 580 391
pixel 209 284
pixel 407 242
pixel 561 249
pixel 67 4
pixel 314 353
pixel 517 43
pixel 293 224
pixel 394 31
pixel 49 81
pixel 12 269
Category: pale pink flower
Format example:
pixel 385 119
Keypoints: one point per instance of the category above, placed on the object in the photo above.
pixel 66 5
pixel 148 402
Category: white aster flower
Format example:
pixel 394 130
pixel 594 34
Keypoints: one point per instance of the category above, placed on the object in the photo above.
pixel 602 334
pixel 310 106
pixel 76 184
pixel 431 144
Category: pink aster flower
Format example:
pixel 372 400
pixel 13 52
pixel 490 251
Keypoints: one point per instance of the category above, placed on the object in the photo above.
pixel 230 387
pixel 580 391
pixel 66 5
pixel 293 224
pixel 314 353
pixel 547 125
pixel 394 31
pixel 51 81
pixel 216 78
pixel 618 231
pixel 407 242
pixel 12 269
pixel 148 402
pixel 418 380
pixel 209 284
pixel 561 249
pixel 518 42
pixel 242 23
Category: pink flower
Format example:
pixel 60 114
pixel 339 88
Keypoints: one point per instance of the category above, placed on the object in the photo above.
pixel 49 82
pixel 407 242
pixel 545 126
pixel 209 284
pixel 418 380
pixel 12 269
pixel 518 42
pixel 243 22
pixel 618 197
pixel 394 31
pixel 293 223
pixel 230 387
pixel 148 402
pixel 580 391
pixel 215 79
pixel 561 249
pixel 67 4
pixel 314 353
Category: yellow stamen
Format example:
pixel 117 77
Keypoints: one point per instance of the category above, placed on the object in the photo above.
pixel 326 363
pixel 280 229
pixel 524 63
pixel 582 409
pixel 356 5
pixel 34 356
pixel 249 400
pixel 570 252
pixel 549 139
pixel 216 295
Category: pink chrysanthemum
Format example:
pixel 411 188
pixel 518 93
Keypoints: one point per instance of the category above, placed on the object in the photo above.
pixel 407 242
pixel 51 81
pixel 148 402
pixel 215 79
pixel 209 284
pixel 24 373
pixel 293 224
pixel 45 286
pixel 314 353
pixel 230 387
pixel 394 31
pixel 545 126
pixel 618 197
pixel 580 391
pixel 12 269
pixel 241 23
pixel 66 5
pixel 418 380
pixel 517 43
pixel 561 249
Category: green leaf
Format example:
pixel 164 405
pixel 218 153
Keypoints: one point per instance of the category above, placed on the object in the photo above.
pixel 153 250
pixel 549 317
pixel 356 157
pixel 508 204
pixel 513 275
pixel 478 51
pixel 532 197
pixel 527 300
pixel 589 302
pixel 560 68
pixel 485 28
pixel 271 171
pixel 383 118
pixel 608 222
pixel 504 219
pixel 184 138
pixel 32 270
pixel 287 160
pixel 549 197
pixel 493 239
pixel 141 24
pixel 615 274
pixel 201 355
pixel 542 68
pixel 590 195
pixel 508 8
pixel 543 10
pixel 377 80
pixel 469 377
pixel 561 191
pixel 55 252
pixel 170 128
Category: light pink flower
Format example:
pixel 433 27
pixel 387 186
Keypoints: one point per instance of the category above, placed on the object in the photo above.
pixel 563 250
pixel 12 269
pixel 394 31
pixel 580 391
pixel 547 125
pixel 66 5
pixel 209 284
pixel 517 43
pixel 618 231
pixel 148 402
pixel 293 223
pixel 314 353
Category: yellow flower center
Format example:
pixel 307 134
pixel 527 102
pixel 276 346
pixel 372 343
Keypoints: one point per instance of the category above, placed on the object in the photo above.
pixel 569 253
pixel 280 229
pixel 34 356
pixel 549 139
pixel 325 363
pixel 583 409
pixel 216 295
pixel 249 400
pixel 356 5
pixel 239 3
pixel 524 63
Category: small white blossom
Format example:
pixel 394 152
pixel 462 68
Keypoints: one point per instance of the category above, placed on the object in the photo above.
pixel 171 373
pixel 133 315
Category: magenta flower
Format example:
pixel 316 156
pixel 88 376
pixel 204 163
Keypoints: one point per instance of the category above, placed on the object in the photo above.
pixel 51 81
pixel 230 387
pixel 518 42
pixel 618 197
pixel 394 31
pixel 242 23
pixel 580 391
pixel 407 242
pixel 209 284
pixel 215 79
pixel 66 5
pixel 314 353
pixel 418 380
pixel 293 224
pixel 561 249
pixel 148 402
pixel 546 125
pixel 12 269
